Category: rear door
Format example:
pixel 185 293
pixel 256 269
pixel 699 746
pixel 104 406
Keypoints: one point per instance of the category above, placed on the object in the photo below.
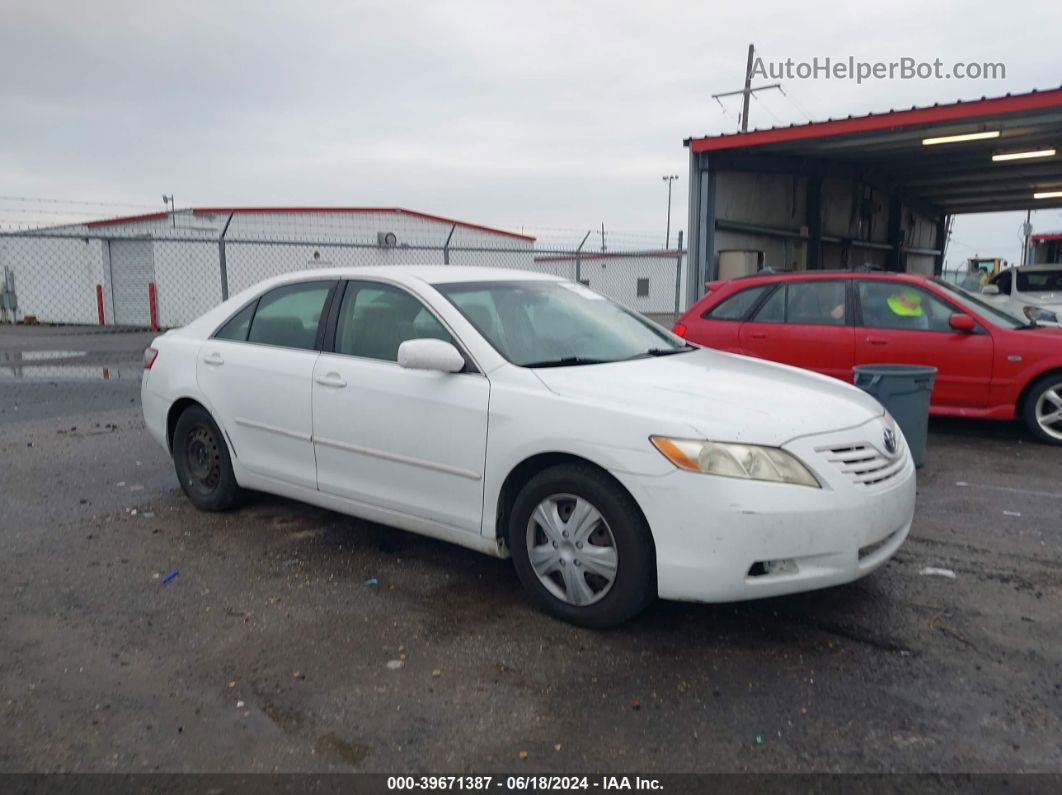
pixel 719 326
pixel 805 323
pixel 256 373
pixel 916 331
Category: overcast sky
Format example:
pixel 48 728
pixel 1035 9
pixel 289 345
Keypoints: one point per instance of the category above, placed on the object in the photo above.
pixel 551 117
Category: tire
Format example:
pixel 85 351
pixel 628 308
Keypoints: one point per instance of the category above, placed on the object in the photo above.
pixel 1044 401
pixel 202 461
pixel 574 583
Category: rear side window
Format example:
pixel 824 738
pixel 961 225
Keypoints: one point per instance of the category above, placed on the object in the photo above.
pixel 736 306
pixel 288 316
pixel 238 326
pixel 820 302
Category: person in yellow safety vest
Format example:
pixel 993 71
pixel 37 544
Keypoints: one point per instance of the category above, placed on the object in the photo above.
pixel 907 305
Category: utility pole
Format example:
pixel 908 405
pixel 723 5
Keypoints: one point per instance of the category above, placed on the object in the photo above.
pixel 602 237
pixel 173 208
pixel 747 91
pixel 669 178
pixel 1027 229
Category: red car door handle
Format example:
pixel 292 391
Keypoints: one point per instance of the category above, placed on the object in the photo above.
pixel 877 341
pixel 758 335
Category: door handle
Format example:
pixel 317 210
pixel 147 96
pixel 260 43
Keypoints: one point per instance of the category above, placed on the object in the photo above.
pixel 758 335
pixel 877 341
pixel 332 379
pixel 213 359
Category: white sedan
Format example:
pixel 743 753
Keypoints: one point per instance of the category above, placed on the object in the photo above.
pixel 521 414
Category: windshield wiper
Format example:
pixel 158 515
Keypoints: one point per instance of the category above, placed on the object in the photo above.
pixel 567 361
pixel 663 352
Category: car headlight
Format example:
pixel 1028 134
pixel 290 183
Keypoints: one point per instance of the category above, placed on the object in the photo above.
pixel 1040 315
pixel 749 461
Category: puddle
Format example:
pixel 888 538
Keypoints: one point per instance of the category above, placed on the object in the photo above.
pixel 37 366
pixel 29 357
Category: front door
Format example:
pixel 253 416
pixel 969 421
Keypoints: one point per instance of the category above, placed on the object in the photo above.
pixel 409 441
pixel 904 324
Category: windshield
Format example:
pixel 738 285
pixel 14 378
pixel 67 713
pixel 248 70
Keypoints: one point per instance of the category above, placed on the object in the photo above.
pixel 1040 281
pixel 990 313
pixel 552 324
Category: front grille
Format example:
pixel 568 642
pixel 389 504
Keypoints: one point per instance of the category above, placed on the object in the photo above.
pixel 863 463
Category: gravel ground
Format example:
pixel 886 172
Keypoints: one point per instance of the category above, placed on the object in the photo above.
pixel 274 648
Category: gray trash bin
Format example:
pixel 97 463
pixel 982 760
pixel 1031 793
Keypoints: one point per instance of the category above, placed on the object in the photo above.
pixel 904 390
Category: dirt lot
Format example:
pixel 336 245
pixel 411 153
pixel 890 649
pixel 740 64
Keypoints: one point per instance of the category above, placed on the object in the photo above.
pixel 269 650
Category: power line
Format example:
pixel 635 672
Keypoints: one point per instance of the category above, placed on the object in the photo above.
pixel 40 200
pixel 795 104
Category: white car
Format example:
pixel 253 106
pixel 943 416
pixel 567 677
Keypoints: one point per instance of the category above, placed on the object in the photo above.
pixel 521 414
pixel 1033 292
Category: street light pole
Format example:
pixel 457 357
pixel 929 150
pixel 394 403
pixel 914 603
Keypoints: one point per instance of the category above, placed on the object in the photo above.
pixel 667 237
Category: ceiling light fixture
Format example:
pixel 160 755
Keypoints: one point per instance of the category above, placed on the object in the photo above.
pixel 1051 194
pixel 1024 155
pixel 954 139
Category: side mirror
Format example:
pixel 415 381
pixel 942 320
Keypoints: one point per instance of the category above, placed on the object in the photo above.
pixel 430 354
pixel 961 322
pixel 990 289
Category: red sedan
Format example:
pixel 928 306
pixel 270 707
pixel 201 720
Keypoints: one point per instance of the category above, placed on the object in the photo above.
pixel 990 364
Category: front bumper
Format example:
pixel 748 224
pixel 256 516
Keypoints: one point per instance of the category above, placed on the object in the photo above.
pixel 724 539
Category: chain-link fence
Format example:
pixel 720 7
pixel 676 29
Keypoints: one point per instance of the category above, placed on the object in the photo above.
pixel 164 281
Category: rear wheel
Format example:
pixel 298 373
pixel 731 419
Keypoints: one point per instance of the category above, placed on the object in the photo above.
pixel 581 547
pixel 202 461
pixel 1043 409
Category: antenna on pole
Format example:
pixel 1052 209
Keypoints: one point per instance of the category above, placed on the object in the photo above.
pixel 748 90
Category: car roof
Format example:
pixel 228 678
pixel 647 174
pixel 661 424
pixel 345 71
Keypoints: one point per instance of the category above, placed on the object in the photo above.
pixel 1039 266
pixel 764 276
pixel 429 274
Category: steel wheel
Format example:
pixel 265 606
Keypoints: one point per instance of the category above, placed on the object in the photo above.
pixel 203 459
pixel 1049 412
pixel 572 550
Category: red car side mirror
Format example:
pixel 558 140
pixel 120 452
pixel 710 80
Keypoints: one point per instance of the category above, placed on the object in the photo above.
pixel 961 322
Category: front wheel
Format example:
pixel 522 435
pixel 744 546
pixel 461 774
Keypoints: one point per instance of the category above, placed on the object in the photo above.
pixel 1043 409
pixel 202 461
pixel 581 547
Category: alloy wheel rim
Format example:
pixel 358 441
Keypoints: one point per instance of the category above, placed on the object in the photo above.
pixel 203 457
pixel 1049 412
pixel 572 550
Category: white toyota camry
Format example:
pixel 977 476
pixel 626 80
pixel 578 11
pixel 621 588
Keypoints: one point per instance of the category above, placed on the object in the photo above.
pixel 521 414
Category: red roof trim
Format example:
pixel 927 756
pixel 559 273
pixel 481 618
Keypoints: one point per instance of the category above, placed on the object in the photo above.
pixel 396 210
pixel 956 111
pixel 670 254
pixel 128 219
pixel 1046 236
pixel 159 216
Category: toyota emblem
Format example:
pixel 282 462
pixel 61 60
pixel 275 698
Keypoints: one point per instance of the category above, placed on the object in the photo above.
pixel 889 437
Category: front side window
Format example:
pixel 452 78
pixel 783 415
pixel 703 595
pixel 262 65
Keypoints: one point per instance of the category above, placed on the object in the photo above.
pixel 1002 281
pixel 895 305
pixel 819 302
pixel 374 319
pixel 288 316
pixel 551 324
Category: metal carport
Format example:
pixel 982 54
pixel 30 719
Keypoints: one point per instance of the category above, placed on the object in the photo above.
pixel 872 190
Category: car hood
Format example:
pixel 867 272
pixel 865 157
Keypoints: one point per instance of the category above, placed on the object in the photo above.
pixel 722 396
